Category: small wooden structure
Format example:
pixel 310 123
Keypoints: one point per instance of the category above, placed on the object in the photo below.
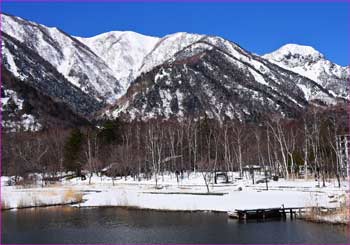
pixel 221 174
pixel 266 213
pixel 252 169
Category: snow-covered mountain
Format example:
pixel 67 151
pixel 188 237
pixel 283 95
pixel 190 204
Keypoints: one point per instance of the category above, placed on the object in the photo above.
pixel 179 75
pixel 30 68
pixel 122 51
pixel 216 78
pixel 75 61
pixel 103 65
pixel 130 54
pixel 308 62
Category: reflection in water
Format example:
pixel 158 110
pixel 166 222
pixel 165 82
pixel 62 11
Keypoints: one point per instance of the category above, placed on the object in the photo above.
pixel 117 225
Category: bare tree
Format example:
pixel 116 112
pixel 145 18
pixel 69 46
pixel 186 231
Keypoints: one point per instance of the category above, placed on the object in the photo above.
pixel 155 135
pixel 239 136
pixel 278 134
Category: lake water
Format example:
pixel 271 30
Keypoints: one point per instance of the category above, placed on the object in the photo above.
pixel 117 225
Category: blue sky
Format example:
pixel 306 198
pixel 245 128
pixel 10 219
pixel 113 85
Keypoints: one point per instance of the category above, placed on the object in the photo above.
pixel 258 27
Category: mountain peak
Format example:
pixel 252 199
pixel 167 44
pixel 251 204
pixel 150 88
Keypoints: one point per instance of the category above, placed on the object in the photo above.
pixel 118 34
pixel 309 62
pixel 297 52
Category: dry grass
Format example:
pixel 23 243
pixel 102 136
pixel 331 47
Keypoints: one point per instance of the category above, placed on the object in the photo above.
pixel 71 195
pixel 344 213
pixel 4 205
pixel 336 216
pixel 340 215
pixel 42 198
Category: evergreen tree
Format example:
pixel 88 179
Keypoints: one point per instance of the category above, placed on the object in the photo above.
pixel 72 150
pixel 111 132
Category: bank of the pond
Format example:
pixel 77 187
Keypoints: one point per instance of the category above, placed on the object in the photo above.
pixel 189 194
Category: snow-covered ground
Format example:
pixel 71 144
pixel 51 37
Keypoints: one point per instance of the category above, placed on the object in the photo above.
pixel 188 195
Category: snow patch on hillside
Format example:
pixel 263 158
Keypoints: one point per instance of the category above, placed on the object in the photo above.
pixel 15 119
pixel 166 48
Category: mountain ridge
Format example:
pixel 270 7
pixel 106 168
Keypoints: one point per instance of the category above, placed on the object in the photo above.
pixel 250 66
pixel 111 66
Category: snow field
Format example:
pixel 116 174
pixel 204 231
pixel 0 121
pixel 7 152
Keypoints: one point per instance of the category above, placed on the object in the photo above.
pixel 188 195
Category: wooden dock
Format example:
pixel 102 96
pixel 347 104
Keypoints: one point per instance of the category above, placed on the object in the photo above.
pixel 267 213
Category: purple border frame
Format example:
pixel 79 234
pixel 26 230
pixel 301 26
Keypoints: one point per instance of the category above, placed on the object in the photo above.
pixel 188 1
pixel 0 121
pixel 348 111
pixel 170 1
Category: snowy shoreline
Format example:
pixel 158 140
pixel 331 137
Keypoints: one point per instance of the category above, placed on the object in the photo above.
pixel 188 195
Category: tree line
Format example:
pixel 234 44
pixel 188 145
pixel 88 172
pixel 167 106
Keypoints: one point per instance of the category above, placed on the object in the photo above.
pixel 150 149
